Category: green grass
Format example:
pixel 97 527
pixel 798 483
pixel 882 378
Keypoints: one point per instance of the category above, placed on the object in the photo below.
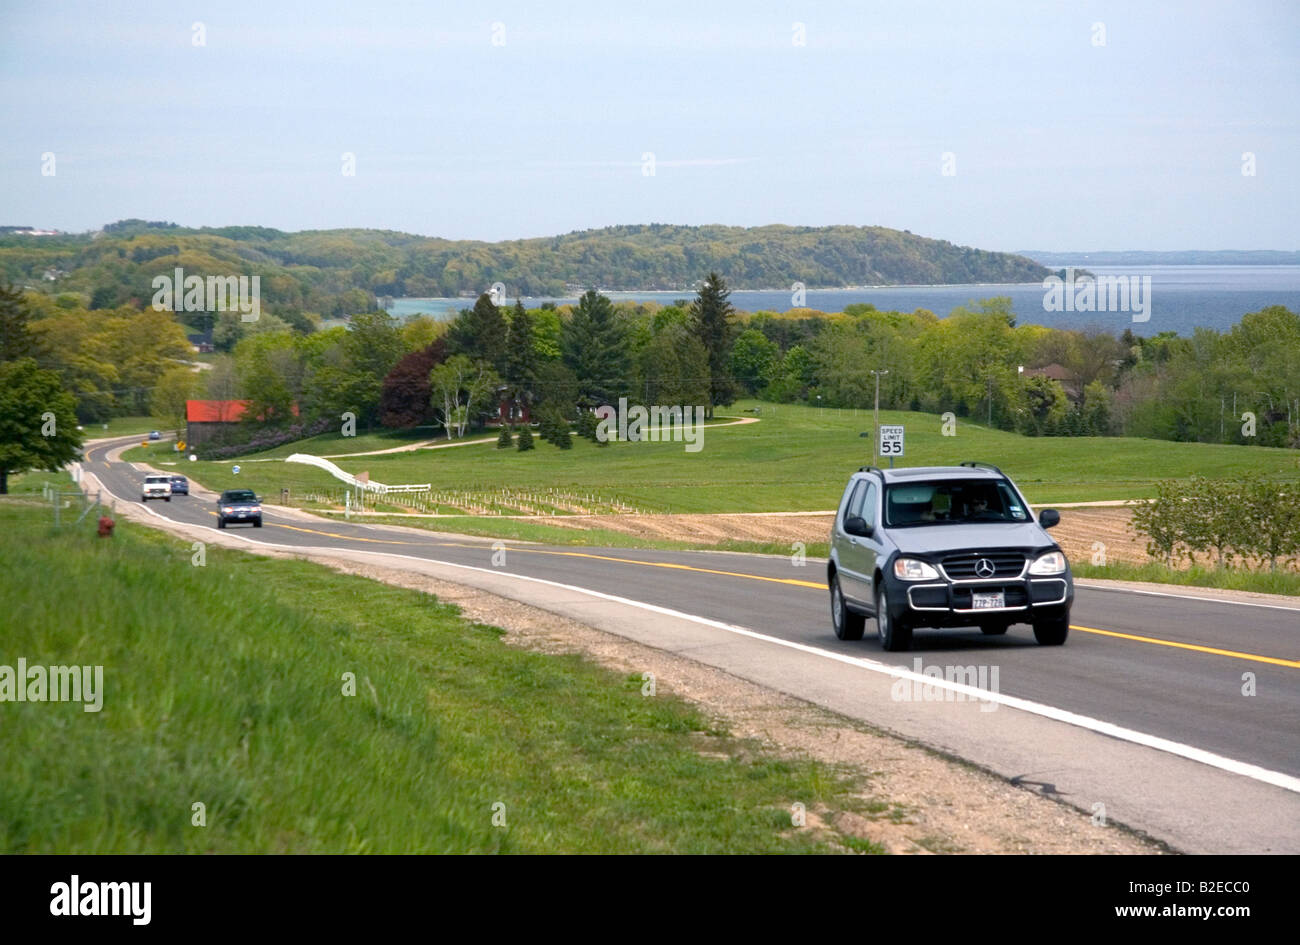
pixel 540 531
pixel 327 444
pixel 122 426
pixel 222 685
pixel 795 459
pixel 1263 582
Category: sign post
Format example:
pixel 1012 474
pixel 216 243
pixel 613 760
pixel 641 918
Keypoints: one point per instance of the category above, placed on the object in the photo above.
pixel 891 442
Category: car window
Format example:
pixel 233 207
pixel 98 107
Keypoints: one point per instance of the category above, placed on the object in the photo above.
pixel 238 495
pixel 954 501
pixel 868 512
pixel 854 506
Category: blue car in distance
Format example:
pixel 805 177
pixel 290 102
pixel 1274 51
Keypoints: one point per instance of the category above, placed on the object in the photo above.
pixel 155 435
pixel 180 485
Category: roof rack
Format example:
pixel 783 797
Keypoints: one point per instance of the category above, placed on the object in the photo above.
pixel 872 469
pixel 974 464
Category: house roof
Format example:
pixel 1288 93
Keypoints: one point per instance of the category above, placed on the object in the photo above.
pixel 215 411
pixel 220 411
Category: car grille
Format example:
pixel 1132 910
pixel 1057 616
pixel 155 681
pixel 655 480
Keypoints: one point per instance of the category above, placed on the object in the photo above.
pixel 963 567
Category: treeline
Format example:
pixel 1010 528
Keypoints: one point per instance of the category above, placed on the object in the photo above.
pixel 331 273
pixel 1240 386
pixel 1249 520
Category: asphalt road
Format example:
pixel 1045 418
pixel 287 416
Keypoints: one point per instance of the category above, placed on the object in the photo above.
pixel 1156 681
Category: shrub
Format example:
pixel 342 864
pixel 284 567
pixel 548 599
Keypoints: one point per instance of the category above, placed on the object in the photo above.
pixel 504 441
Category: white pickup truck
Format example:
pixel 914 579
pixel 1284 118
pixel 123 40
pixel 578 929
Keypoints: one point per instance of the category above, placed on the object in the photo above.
pixel 156 486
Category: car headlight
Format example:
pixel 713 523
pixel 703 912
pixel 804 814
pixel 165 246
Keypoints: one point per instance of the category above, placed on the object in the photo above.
pixel 226 510
pixel 910 569
pixel 1051 563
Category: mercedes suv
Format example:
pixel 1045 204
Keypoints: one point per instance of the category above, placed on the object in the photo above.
pixel 944 546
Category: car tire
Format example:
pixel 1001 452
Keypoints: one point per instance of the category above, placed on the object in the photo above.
pixel 847 624
pixel 167 499
pixel 1052 632
pixel 994 629
pixel 894 636
pixel 221 523
pixel 258 523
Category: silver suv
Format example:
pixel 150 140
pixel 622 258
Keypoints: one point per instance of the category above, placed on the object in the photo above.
pixel 944 546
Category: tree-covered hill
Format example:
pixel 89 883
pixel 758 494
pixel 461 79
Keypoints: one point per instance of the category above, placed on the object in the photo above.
pixel 326 271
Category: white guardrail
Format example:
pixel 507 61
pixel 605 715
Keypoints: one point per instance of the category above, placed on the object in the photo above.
pixel 376 487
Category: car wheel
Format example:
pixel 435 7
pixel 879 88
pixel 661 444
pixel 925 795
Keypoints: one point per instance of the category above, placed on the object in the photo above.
pixel 893 634
pixel 258 523
pixel 167 499
pixel 848 625
pixel 221 523
pixel 994 629
pixel 1052 632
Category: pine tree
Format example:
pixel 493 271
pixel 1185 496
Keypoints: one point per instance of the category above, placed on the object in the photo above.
pixel 479 333
pixel 15 339
pixel 521 359
pixel 525 440
pixel 711 322
pixel 504 441
pixel 596 347
pixel 587 425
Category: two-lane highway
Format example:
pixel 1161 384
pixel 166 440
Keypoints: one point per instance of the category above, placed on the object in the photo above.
pixel 1214 683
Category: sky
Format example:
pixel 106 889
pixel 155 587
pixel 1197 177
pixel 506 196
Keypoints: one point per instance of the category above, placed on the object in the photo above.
pixel 1009 126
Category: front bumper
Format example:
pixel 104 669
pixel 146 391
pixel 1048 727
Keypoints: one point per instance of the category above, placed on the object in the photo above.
pixel 949 603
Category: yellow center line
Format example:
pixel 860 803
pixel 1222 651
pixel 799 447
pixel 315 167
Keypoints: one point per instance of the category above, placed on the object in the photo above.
pixel 1213 651
pixel 668 564
pixel 1294 664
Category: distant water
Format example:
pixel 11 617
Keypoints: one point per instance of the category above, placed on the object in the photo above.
pixel 1182 298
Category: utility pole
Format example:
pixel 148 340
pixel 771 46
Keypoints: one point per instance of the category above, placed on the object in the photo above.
pixel 875 435
pixel 990 396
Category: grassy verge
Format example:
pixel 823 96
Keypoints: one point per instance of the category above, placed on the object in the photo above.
pixel 223 686
pixel 123 426
pixel 1263 582
pixel 524 530
pixel 794 459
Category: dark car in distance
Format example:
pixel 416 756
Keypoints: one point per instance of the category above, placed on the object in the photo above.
pixel 239 505
pixel 180 485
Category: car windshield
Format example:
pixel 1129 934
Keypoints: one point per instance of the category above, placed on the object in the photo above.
pixel 157 479
pixel 238 495
pixel 952 502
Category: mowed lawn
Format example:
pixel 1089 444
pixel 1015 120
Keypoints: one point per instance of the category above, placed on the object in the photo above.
pixel 223 685
pixel 793 459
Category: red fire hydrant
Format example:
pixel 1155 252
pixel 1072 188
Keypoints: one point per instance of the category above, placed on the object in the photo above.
pixel 106 526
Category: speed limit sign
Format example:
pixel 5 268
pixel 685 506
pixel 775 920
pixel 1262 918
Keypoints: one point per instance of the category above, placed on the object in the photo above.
pixel 891 441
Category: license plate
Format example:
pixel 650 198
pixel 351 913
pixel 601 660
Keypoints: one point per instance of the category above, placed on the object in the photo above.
pixel 990 601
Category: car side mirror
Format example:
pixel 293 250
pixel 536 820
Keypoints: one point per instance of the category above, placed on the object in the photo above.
pixel 857 525
pixel 1049 518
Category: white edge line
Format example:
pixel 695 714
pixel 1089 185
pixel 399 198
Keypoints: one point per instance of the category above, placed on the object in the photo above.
pixel 1232 766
